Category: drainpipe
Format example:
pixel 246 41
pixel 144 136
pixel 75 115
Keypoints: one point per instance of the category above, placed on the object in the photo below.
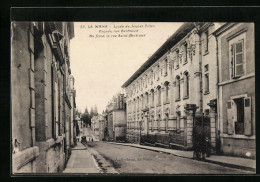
pixel 200 70
pixel 217 61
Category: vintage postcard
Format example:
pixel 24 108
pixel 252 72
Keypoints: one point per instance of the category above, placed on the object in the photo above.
pixel 133 98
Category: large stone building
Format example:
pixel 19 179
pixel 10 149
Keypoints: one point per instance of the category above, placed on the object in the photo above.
pixel 236 93
pixel 98 126
pixel 116 118
pixel 41 96
pixel 176 89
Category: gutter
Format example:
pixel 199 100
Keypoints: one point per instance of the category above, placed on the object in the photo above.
pixel 218 107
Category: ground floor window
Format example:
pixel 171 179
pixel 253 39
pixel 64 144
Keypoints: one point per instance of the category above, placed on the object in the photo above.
pixel 239 118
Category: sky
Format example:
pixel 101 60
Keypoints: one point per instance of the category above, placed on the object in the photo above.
pixel 102 61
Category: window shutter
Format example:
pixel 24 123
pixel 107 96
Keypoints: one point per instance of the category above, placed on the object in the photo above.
pixel 230 105
pixel 247 116
pixel 232 61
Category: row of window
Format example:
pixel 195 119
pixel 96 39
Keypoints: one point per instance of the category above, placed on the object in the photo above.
pixel 154 75
pixel 180 56
pixel 159 123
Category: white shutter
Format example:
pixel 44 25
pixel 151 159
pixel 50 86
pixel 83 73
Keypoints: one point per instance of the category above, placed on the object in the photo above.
pixel 247 116
pixel 232 61
pixel 230 105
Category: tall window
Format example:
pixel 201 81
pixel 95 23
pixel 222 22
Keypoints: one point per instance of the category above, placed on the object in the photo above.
pixel 206 83
pixel 177 59
pixel 186 84
pixel 206 42
pixel 166 121
pixel 142 100
pixel 178 120
pixel 178 88
pixel 134 103
pixel 147 100
pixel 158 72
pixel 166 92
pixel 152 94
pixel 237 59
pixel 137 103
pixel 166 66
pixel 159 96
pixel 185 53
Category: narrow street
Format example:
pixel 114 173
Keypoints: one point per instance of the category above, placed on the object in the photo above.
pixel 134 160
pixel 133 97
pixel 113 158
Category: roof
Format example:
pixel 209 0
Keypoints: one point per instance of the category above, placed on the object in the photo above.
pixel 168 44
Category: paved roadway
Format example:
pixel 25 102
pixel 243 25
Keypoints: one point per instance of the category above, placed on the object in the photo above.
pixel 126 159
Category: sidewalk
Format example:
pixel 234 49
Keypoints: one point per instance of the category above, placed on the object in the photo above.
pixel 81 161
pixel 233 162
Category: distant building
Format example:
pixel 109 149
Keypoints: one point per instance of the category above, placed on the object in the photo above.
pixel 95 125
pixel 41 104
pixel 102 127
pixel 116 118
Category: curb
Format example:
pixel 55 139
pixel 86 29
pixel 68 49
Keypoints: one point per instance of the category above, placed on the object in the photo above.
pixel 245 168
pixel 79 149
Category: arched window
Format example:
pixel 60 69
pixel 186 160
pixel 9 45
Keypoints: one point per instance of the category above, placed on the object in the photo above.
pixel 186 85
pixel 159 96
pixel 142 100
pixel 147 99
pixel 137 103
pixel 178 88
pixel 152 95
pixel 166 121
pixel 178 120
pixel 166 98
pixel 177 59
pixel 134 104
pixel 151 121
pixel 166 67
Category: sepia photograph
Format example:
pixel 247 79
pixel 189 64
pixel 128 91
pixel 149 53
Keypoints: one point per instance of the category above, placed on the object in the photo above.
pixel 151 98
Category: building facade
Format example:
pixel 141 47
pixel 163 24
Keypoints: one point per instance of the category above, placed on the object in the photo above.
pixel 183 86
pixel 116 118
pixel 41 109
pixel 102 127
pixel 72 97
pixel 95 125
pixel 236 60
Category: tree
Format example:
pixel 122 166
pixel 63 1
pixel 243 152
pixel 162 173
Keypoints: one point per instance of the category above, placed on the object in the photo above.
pixel 86 117
pixel 95 110
pixel 86 110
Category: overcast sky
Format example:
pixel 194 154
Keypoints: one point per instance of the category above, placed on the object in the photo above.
pixel 101 65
